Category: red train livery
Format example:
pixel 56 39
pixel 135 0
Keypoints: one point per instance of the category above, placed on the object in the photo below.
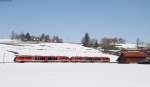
pixel 22 59
pixel 90 59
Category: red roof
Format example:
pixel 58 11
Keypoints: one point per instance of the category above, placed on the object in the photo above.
pixel 133 54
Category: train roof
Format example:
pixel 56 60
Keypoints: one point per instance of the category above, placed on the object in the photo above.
pixel 61 56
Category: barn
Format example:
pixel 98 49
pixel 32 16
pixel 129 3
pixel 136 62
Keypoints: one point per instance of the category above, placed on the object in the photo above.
pixel 132 56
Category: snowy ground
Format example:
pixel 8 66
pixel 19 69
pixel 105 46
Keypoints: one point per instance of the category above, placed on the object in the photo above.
pixel 74 75
pixel 66 74
pixel 9 48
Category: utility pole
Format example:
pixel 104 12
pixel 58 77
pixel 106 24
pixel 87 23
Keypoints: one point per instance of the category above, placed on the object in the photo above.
pixel 4 58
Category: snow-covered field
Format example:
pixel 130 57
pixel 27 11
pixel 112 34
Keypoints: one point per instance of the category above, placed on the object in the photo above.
pixel 66 74
pixel 74 75
pixel 9 48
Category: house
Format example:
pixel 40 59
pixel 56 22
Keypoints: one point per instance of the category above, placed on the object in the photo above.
pixel 147 52
pixel 132 56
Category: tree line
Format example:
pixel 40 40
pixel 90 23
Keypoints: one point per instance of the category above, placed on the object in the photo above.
pixel 29 37
pixel 104 42
pixel 87 41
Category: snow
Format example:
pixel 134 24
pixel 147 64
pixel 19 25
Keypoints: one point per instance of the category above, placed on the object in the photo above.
pixel 9 49
pixel 66 74
pixel 74 75
pixel 130 45
pixel 7 41
pixel 127 46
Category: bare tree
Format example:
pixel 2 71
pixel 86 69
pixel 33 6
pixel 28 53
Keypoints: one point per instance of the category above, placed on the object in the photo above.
pixel 13 35
pixel 121 40
pixel 137 43
pixel 56 39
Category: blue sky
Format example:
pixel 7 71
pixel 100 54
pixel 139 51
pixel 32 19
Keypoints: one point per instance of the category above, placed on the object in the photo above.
pixel 71 19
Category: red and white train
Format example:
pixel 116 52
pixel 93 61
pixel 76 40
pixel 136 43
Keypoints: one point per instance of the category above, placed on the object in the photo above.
pixel 23 59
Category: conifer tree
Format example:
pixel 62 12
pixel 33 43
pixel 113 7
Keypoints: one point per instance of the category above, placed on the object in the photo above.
pixel 86 40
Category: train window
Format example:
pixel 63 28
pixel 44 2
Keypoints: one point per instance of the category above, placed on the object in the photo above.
pixel 49 58
pixel 42 58
pixel 52 58
pixel 37 58
pixel 98 58
pixel 33 58
pixel 88 58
